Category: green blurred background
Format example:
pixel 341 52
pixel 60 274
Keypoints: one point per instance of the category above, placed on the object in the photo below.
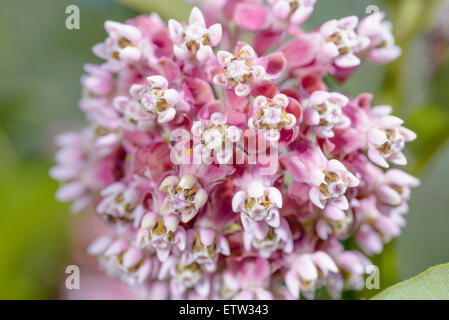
pixel 41 63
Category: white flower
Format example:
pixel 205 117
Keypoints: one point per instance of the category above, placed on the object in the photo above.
pixel 194 39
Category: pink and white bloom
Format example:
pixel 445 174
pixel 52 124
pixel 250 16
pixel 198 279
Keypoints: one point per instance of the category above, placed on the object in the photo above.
pixel 247 279
pixel 161 233
pixel 270 116
pixel 195 39
pixel 120 204
pixel 307 272
pixel 122 47
pixel 165 118
pixel 204 247
pixel 98 81
pixel 239 72
pixel 382 48
pixel 147 102
pixel 341 43
pixel 328 179
pixel 355 266
pixel 294 11
pixel 132 115
pixel 80 171
pixel 387 138
pixel 334 222
pixel 258 202
pixel 323 112
pixel 185 278
pixel 214 139
pixel 157 98
pixel 185 196
pixel 266 240
pixel 376 227
pixel 396 188
pixel 120 259
pixel 330 185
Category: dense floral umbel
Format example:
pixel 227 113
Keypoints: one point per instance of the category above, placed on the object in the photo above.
pixel 174 159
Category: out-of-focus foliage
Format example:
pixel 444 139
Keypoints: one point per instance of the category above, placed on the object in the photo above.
pixel 41 63
pixel 166 9
pixel 33 229
pixel 431 120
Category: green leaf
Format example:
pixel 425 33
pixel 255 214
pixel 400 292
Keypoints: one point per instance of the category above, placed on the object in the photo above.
pixel 33 229
pixel 430 123
pixel 432 284
pixel 167 9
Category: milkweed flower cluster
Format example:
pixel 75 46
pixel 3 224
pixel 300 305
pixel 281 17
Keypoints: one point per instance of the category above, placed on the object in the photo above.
pixel 174 159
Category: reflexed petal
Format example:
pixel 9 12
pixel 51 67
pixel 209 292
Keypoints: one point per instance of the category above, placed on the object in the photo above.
pixel 293 283
pixel 215 34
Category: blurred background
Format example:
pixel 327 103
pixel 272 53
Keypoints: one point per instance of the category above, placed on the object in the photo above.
pixel 41 63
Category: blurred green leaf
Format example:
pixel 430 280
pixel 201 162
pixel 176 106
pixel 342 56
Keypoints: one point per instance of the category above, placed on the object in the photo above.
pixel 33 230
pixel 167 9
pixel 430 123
pixel 432 284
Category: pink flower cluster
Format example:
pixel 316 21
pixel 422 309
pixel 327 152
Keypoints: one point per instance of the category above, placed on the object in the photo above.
pixel 221 229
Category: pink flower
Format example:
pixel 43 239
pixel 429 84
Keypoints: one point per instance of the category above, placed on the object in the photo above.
pixel 324 113
pixel 133 116
pixel 257 202
pixel 248 279
pixel 122 47
pixel 331 184
pixel 334 222
pixel 204 247
pixel 157 98
pixel 161 233
pixel 194 40
pixel 355 266
pixel 185 196
pixel 396 188
pixel 148 102
pixel 382 45
pixel 122 260
pixel 270 116
pixel 185 278
pixel 98 81
pixel 387 138
pixel 215 138
pixel 252 16
pixel 266 239
pixel 244 69
pixel 80 171
pixel 369 240
pixel 341 43
pixel 295 11
pixel 308 271
pixel 120 204
pixel 376 227
pixel 187 219
pixel 329 179
pixel 239 71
